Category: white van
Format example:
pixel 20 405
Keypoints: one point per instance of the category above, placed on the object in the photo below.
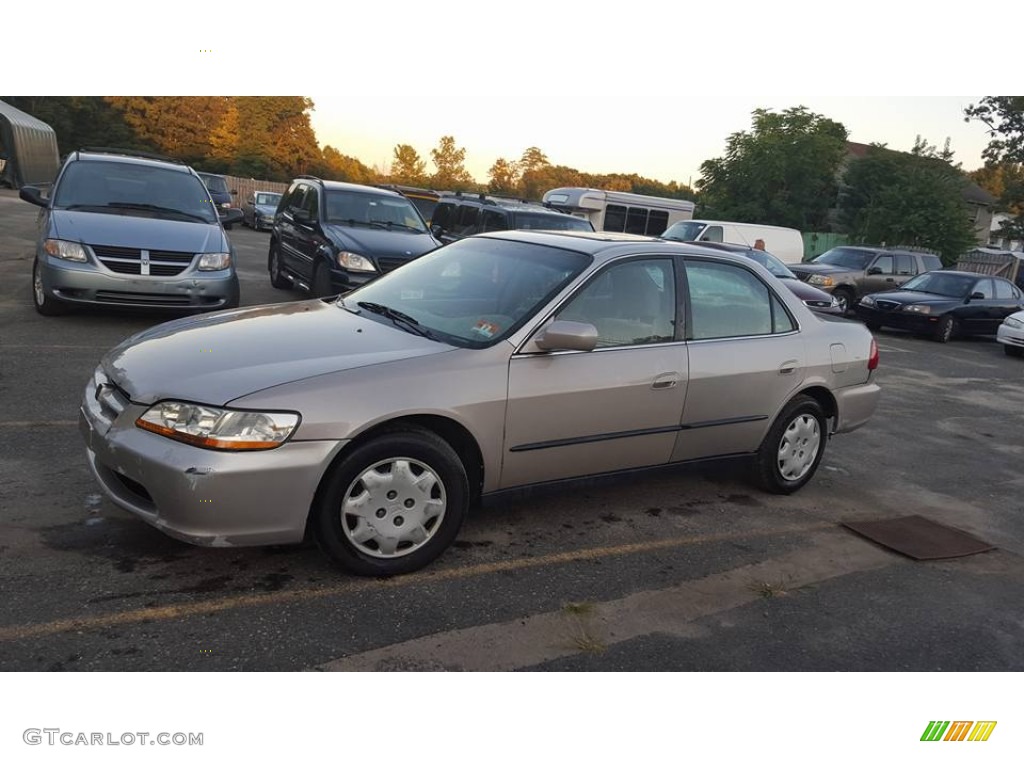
pixel 782 242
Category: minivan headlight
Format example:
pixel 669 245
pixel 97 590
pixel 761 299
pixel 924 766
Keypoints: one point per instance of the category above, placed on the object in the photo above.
pixel 65 249
pixel 218 428
pixel 355 262
pixel 210 262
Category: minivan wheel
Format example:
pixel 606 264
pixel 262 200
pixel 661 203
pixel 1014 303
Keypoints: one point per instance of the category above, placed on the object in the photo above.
pixel 946 329
pixel 44 304
pixel 277 278
pixel 793 447
pixel 393 505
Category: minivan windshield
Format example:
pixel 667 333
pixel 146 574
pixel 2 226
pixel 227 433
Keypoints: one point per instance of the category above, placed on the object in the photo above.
pixel 472 293
pixel 133 189
pixel 846 258
pixel 684 231
pixel 372 210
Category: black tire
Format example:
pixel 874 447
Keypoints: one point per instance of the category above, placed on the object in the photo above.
pixel 1013 351
pixel 228 227
pixel 322 282
pixel 43 302
pixel 277 278
pixel 874 327
pixel 335 531
pixel 946 329
pixel 800 420
pixel 845 298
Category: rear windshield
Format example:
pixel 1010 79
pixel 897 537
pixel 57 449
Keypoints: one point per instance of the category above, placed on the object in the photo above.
pixel 686 231
pixel 268 198
pixel 547 221
pixel 215 184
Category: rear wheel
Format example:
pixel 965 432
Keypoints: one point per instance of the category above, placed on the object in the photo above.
pixel 1013 351
pixel 44 303
pixel 277 278
pixel 793 447
pixel 393 505
pixel 946 329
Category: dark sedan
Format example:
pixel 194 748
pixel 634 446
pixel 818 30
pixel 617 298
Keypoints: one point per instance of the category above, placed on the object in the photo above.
pixel 943 304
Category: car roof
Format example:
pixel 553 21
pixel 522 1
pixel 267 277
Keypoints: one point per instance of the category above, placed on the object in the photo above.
pixel 962 273
pixel 116 157
pixel 505 203
pixel 346 186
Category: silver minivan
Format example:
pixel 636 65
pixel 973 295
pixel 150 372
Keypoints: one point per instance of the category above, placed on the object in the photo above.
pixel 130 230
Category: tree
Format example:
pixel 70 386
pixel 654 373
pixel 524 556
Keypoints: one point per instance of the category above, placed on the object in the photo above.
pixel 449 160
pixel 504 178
pixel 533 159
pixel 1004 116
pixel 408 167
pixel 178 126
pixel 899 198
pixel 338 167
pixel 783 171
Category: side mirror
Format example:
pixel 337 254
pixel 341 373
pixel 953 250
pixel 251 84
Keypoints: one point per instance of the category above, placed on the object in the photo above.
pixel 977 295
pixel 232 216
pixel 874 270
pixel 567 334
pixel 234 191
pixel 436 230
pixel 32 195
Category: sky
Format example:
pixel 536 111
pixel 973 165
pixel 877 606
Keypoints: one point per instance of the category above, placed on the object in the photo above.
pixel 653 88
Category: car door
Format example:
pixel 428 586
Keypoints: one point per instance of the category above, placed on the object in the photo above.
pixel 978 314
pixel 288 228
pixel 880 274
pixel 618 406
pixel 1008 301
pixel 746 359
pixel 307 234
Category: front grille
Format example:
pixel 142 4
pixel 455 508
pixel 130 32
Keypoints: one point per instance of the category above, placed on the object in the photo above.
pixel 817 303
pixel 388 263
pixel 143 299
pixel 129 261
pixel 886 305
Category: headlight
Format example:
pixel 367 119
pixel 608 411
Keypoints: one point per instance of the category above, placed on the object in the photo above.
pixel 921 309
pixel 867 301
pixel 1012 322
pixel 225 205
pixel 210 262
pixel 355 262
pixel 820 280
pixel 210 427
pixel 64 249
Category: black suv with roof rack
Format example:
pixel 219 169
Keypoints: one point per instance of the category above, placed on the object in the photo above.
pixel 458 216
pixel 330 236
pixel 851 271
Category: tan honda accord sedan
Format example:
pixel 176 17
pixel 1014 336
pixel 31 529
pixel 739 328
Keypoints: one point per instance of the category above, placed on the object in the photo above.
pixel 374 421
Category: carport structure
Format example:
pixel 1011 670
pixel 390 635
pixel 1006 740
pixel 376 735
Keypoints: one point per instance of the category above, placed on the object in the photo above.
pixel 28 149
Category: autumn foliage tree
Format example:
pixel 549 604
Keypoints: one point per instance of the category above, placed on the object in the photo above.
pixel 450 162
pixel 408 167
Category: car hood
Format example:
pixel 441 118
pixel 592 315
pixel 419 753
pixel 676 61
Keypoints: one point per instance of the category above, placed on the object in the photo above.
pixel 222 356
pixel 129 231
pixel 381 242
pixel 916 297
pixel 818 269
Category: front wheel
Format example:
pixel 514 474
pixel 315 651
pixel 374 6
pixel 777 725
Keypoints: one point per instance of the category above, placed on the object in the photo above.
pixel 946 329
pixel 793 447
pixel 393 505
pixel 277 278
pixel 844 298
pixel 44 303
pixel 322 287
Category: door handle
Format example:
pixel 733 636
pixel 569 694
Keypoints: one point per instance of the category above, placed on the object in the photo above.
pixel 665 381
pixel 788 367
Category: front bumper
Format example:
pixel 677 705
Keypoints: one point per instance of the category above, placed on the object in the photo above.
pixel 1013 337
pixel 87 283
pixel 855 405
pixel 908 321
pixel 204 497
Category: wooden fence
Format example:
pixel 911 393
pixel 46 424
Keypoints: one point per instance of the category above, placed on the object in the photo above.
pixel 243 189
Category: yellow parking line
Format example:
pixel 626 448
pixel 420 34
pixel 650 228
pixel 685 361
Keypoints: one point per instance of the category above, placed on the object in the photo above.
pixel 205 607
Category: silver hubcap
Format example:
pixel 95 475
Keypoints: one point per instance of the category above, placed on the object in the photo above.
pixel 393 508
pixel 799 447
pixel 37 288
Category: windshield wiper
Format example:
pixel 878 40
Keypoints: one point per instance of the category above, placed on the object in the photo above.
pixel 157 209
pixel 399 318
pixel 390 224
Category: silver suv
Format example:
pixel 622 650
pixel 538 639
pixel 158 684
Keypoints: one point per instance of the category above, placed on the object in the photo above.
pixel 131 230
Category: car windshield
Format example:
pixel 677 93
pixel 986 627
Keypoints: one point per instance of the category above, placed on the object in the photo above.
pixel 474 292
pixel 769 262
pixel 547 221
pixel 135 189
pixel 215 183
pixel 268 198
pixel 846 258
pixel 941 284
pixel 686 231
pixel 368 209
pixel 425 206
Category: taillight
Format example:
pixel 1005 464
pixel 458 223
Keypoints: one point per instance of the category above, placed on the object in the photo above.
pixel 873 357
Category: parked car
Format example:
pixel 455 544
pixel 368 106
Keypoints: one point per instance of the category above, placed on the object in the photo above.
pixel 813 298
pixel 329 237
pixel 785 243
pixel 943 305
pixel 459 216
pixel 849 272
pixel 1011 334
pixel 131 230
pixel 217 186
pixel 258 211
pixel 373 421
